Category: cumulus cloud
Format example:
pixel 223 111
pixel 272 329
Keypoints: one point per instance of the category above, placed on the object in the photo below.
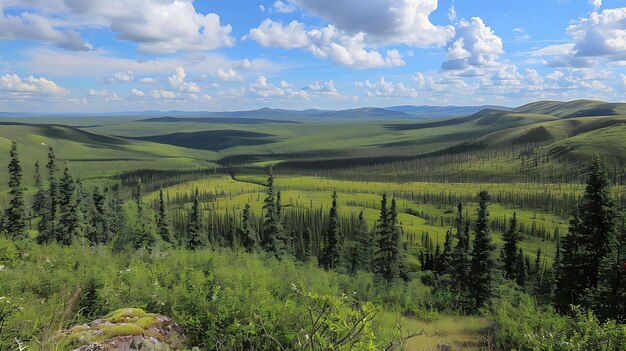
pixel 149 80
pixel 282 7
pixel 383 88
pixel 157 26
pixel 138 93
pixel 323 88
pixel 474 46
pixel 163 94
pixel 327 42
pixel 228 75
pixel 120 77
pixel 32 26
pixel 600 35
pixel 384 22
pixel 263 88
pixel 596 4
pixel 30 85
pixel 177 81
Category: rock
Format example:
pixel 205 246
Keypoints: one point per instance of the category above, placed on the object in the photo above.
pixel 127 329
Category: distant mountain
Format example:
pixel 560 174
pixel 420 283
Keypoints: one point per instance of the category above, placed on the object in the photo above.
pixel 394 112
pixel 442 111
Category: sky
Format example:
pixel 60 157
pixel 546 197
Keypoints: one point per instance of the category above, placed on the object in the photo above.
pixel 218 55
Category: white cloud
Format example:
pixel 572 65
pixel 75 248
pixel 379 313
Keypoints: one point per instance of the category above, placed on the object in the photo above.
pixel 163 94
pixel 474 46
pixel 138 93
pixel 263 88
pixel 27 25
pixel 282 7
pixel 596 4
pixel 327 42
pixel 384 22
pixel 30 85
pixel 157 26
pixel 120 77
pixel 177 81
pixel 383 88
pixel 452 13
pixel 601 35
pixel 100 93
pixel 228 75
pixel 149 80
pixel 323 88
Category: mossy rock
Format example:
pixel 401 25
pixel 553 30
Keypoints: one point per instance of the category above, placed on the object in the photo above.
pixel 124 329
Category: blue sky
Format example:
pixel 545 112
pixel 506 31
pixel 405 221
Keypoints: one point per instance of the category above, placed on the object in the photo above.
pixel 123 55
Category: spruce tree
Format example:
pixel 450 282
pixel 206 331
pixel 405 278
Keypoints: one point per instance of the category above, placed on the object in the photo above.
pixel 196 238
pixel 163 223
pixel 509 249
pixel 588 242
pixel 608 300
pixel 15 222
pixel 247 234
pixel 274 239
pixel 143 236
pixel 364 250
pixel 70 216
pixel 99 231
pixel 483 263
pixel 39 199
pixel 307 244
pixel 459 270
pixel 332 254
pixel 388 259
pixel 48 223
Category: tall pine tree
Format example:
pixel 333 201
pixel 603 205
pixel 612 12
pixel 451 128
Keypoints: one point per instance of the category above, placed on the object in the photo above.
pixel 163 223
pixel 247 234
pixel 588 243
pixel 389 258
pixel 274 240
pixel 196 236
pixel 48 223
pixel 15 222
pixel 459 269
pixel 483 263
pixel 364 251
pixel 70 216
pixel 509 250
pixel 332 254
pixel 39 199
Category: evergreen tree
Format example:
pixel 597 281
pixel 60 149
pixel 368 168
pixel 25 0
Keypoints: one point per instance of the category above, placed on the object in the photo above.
pixel 364 251
pixel 163 223
pixel 445 259
pixel 509 249
pixel 608 300
pixel 99 231
pixel 588 242
pixel 48 223
pixel 388 259
pixel 247 234
pixel 332 254
pixel 274 238
pixel 39 200
pixel 307 244
pixel 143 233
pixel 459 270
pixel 70 216
pixel 483 263
pixel 196 238
pixel 15 222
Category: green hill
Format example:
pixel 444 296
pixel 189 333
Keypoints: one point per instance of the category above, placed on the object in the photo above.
pixel 92 155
